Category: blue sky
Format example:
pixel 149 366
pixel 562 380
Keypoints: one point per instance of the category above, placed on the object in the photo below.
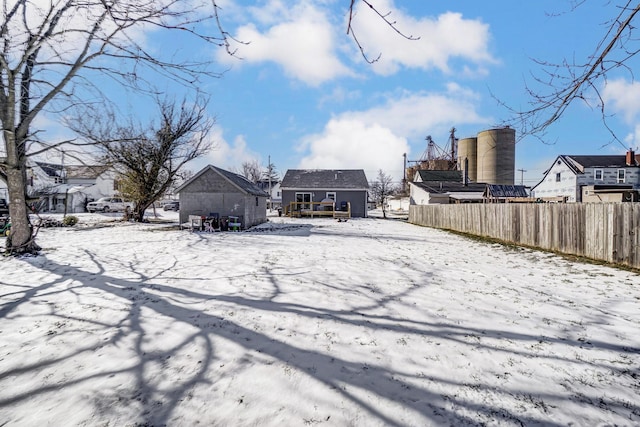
pixel 301 93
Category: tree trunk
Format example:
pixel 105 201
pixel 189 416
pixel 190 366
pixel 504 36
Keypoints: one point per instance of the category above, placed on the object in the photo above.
pixel 21 239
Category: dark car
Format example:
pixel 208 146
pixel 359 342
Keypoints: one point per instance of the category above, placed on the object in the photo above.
pixel 4 208
pixel 171 206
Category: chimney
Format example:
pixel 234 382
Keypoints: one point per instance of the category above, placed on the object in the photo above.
pixel 631 158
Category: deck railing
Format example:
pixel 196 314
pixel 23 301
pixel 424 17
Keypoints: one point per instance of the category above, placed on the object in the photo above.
pixel 313 209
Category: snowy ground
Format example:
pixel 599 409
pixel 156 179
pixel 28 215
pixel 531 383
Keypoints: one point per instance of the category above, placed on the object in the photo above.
pixel 311 322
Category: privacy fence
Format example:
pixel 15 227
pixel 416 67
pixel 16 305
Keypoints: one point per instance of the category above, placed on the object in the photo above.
pixel 601 231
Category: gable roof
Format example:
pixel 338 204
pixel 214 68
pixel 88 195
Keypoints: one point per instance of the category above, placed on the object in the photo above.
pixel 442 187
pixel 578 163
pixel 239 181
pixel 72 171
pixel 324 179
pixel 440 175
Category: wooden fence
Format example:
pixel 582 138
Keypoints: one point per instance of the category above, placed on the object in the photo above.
pixel 601 231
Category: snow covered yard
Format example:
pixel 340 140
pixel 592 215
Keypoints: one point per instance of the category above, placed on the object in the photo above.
pixel 311 322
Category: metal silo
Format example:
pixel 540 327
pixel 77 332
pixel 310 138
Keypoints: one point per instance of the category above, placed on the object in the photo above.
pixel 468 149
pixel 496 156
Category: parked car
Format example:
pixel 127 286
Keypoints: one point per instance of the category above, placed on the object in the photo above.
pixel 108 204
pixel 4 208
pixel 172 206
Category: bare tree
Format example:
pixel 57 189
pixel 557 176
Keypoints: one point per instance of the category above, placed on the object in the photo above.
pixel 381 189
pixel 251 170
pixel 149 160
pixel 50 51
pixel 560 85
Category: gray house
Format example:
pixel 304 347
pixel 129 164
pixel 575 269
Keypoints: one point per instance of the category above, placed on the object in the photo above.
pixel 308 189
pixel 217 192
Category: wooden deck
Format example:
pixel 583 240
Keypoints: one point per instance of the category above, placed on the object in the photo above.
pixel 316 209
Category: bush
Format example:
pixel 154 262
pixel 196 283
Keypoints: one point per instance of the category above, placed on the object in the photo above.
pixel 70 221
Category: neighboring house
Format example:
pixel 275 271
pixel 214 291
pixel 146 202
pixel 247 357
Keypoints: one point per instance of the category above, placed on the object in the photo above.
pixel 52 187
pixel 443 192
pixel 340 185
pixel 275 199
pixel 217 191
pixel 569 175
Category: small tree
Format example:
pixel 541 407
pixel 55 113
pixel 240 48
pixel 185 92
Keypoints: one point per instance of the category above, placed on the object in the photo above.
pixel 149 160
pixel 381 189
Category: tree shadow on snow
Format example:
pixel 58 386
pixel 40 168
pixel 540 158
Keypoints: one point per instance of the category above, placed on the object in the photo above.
pixel 173 341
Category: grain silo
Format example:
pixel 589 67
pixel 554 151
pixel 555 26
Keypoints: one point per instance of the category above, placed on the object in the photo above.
pixel 496 156
pixel 468 155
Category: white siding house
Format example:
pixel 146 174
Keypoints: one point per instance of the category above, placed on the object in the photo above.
pixel 568 175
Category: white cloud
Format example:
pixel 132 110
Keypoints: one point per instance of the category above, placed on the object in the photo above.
pixel 376 138
pixel 226 155
pixel 418 114
pixel 441 39
pixel 623 97
pixel 301 40
pixel 352 144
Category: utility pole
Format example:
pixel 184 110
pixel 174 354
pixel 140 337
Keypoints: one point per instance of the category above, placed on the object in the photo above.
pixel 404 174
pixel 269 172
pixel 522 171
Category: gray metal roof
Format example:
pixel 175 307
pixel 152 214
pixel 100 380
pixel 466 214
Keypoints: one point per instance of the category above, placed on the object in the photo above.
pixel 497 190
pixel 321 179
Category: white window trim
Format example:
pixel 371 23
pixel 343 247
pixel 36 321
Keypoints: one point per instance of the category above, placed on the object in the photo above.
pixel 595 174
pixel 619 180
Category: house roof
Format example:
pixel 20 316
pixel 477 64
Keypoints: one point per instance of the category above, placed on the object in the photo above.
pixel 72 171
pixel 496 190
pixel 237 180
pixel 85 171
pixel 578 163
pixel 443 187
pixel 443 175
pixel 51 169
pixel 321 179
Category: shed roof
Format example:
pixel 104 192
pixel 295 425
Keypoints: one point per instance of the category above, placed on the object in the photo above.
pixel 345 179
pixel 498 190
pixel 239 181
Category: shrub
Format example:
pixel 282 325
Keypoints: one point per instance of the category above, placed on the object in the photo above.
pixel 70 221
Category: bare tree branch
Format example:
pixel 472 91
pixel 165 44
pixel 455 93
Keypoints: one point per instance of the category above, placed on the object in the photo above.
pixel 572 81
pixel 385 17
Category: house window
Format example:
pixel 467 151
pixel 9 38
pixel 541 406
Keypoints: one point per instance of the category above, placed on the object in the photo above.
pixel 257 203
pixel 597 174
pixel 331 195
pixel 278 194
pixel 558 177
pixel 303 201
pixel 620 176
